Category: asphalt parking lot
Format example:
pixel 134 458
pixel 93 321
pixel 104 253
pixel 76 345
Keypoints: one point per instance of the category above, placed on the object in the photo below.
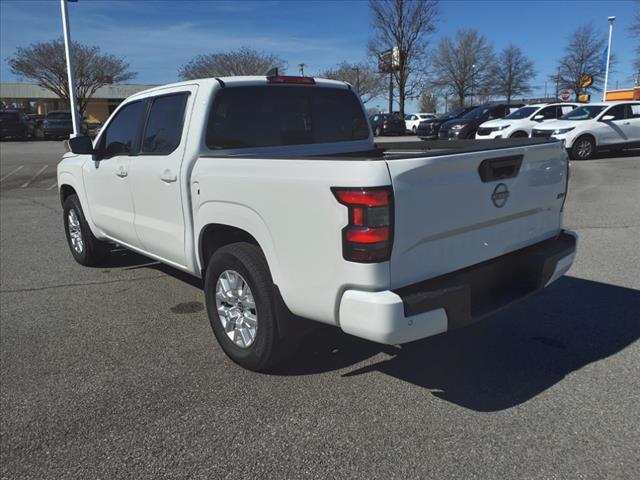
pixel 113 372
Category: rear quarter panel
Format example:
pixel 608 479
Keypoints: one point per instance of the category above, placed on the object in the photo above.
pixel 288 207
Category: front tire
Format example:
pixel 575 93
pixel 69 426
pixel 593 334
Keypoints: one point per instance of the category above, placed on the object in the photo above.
pixel 519 135
pixel 377 132
pixel 241 307
pixel 583 148
pixel 414 130
pixel 86 249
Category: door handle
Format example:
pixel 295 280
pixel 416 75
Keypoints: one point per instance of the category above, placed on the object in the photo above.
pixel 122 171
pixel 168 176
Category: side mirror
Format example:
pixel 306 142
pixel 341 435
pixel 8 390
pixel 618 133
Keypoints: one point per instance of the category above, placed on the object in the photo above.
pixel 607 118
pixel 81 145
pixel 538 118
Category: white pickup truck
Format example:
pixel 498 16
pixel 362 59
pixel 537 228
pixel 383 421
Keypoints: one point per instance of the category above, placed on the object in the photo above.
pixel 272 190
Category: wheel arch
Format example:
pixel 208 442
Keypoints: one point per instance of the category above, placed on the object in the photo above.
pixel 220 223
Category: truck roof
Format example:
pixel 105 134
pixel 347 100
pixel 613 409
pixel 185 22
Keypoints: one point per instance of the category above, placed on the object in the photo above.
pixel 237 81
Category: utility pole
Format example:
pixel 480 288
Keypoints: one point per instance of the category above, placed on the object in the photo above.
pixel 473 82
pixel 357 70
pixel 606 75
pixel 390 92
pixel 301 66
pixel 72 84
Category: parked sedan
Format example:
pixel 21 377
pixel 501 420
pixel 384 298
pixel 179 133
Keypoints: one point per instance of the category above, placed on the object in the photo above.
pixel 16 124
pixel 412 120
pixel 466 126
pixel 428 129
pixel 387 124
pixel 58 124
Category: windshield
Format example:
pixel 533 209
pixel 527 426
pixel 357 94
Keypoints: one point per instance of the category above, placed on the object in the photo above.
pixel 59 116
pixel 586 112
pixel 476 113
pixel 454 113
pixel 523 112
pixel 269 116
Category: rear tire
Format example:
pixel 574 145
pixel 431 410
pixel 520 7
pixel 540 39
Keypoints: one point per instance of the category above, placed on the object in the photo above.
pixel 414 130
pixel 377 132
pixel 86 249
pixel 583 148
pixel 519 135
pixel 239 294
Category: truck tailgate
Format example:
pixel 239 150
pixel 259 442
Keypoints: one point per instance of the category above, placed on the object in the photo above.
pixel 456 210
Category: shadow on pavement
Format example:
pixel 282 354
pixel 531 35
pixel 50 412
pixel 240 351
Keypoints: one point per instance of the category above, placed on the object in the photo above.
pixel 500 362
pixel 492 365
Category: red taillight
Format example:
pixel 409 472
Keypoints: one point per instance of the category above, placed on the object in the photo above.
pixel 369 235
pixel 291 79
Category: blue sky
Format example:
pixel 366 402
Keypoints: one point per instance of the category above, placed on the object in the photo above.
pixel 156 37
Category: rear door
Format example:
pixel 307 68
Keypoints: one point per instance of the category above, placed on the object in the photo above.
pixel 155 176
pixel 453 211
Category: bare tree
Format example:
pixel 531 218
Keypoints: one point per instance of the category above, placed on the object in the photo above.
pixel 583 55
pixel 463 64
pixel 428 103
pixel 244 61
pixel 405 25
pixel 45 63
pixel 511 73
pixel 367 81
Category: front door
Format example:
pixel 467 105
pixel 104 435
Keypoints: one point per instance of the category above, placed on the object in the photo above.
pixel 106 178
pixel 155 175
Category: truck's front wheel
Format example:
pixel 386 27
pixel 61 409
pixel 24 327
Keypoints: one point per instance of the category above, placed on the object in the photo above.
pixel 240 304
pixel 86 249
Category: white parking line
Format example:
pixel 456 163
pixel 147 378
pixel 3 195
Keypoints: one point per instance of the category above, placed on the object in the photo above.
pixel 53 186
pixel 26 184
pixel 11 173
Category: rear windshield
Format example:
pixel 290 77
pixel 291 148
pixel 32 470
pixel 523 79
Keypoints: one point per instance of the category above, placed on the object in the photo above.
pixel 523 112
pixel 274 115
pixel 59 116
pixel 585 112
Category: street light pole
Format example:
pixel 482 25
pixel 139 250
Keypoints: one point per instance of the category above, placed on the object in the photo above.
pixel 72 84
pixel 301 66
pixel 606 75
pixel 357 70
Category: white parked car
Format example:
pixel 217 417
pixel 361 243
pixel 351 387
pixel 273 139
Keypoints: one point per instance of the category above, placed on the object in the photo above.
pixel 520 123
pixel 412 120
pixel 273 191
pixel 594 127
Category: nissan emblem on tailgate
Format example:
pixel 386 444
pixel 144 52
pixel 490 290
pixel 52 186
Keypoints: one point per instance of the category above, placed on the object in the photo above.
pixel 500 195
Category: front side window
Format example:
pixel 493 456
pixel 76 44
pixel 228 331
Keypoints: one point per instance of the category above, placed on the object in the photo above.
pixel 164 126
pixel 121 132
pixel 634 110
pixel 617 112
pixel 270 116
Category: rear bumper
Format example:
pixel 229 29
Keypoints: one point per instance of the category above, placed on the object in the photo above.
pixel 456 299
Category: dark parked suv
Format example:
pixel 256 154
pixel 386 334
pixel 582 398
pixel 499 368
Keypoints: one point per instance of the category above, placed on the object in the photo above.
pixel 428 129
pixel 58 124
pixel 16 124
pixel 467 125
pixel 387 124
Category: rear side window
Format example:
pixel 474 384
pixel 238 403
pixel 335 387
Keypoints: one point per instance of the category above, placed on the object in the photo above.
pixel 269 116
pixel 163 131
pixel 634 110
pixel 122 130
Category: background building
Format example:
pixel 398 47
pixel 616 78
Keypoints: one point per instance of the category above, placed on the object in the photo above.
pixel 35 99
